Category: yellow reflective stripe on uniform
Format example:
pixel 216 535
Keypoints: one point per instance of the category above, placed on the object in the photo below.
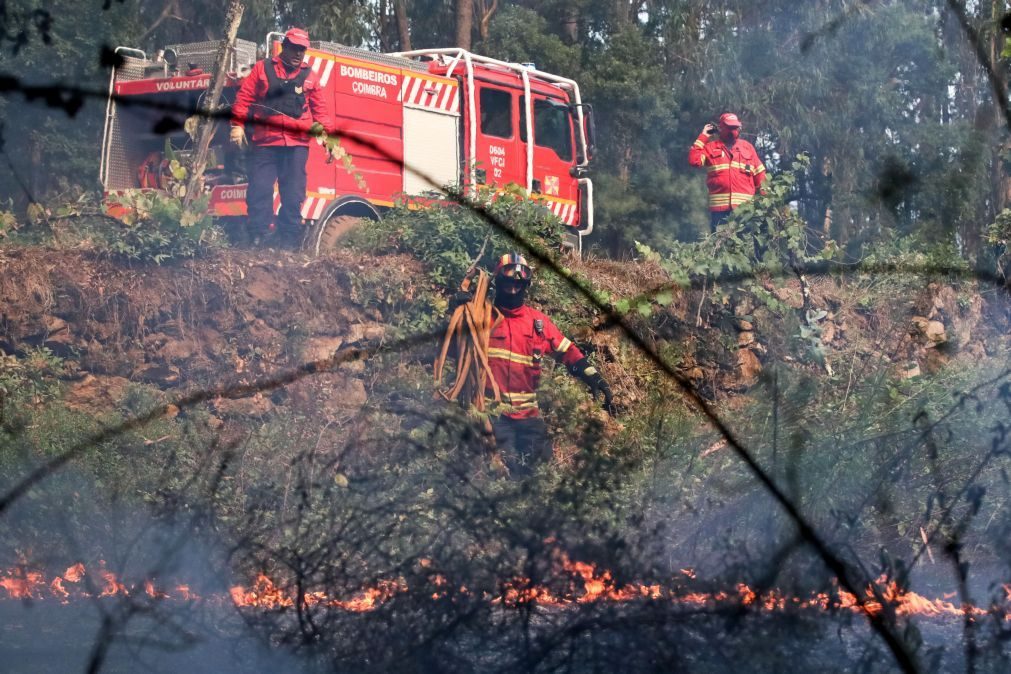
pixel 739 199
pixel 519 398
pixel 563 345
pixel 760 169
pixel 719 199
pixel 520 401
pixel 718 167
pixel 525 406
pixel 699 143
pixel 505 354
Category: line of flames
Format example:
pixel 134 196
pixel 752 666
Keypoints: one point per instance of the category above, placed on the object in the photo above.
pixel 77 582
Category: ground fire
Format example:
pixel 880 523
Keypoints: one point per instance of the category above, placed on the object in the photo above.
pixel 585 583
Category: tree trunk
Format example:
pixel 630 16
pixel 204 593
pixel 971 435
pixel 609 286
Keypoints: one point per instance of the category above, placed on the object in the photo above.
pixel 486 13
pixel 464 23
pixel 403 25
pixel 208 124
pixel 383 26
pixel 570 24
pixel 1002 180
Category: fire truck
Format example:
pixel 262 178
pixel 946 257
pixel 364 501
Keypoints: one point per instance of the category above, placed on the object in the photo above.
pixel 412 123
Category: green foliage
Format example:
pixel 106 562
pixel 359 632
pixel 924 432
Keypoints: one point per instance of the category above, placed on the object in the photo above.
pixel 912 258
pixel 28 380
pixel 764 236
pixel 157 227
pixel 8 221
pixel 447 239
pixel 998 234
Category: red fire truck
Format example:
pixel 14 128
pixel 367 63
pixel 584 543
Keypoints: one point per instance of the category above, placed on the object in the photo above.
pixel 412 122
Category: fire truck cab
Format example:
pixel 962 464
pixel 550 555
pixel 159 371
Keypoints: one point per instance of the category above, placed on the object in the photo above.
pixel 412 122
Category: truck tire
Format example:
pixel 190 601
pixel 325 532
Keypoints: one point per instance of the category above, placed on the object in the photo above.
pixel 323 236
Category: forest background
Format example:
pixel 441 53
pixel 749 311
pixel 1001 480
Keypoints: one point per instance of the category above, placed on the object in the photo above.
pixel 889 99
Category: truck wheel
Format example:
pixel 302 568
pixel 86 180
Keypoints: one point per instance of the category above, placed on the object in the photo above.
pixel 324 236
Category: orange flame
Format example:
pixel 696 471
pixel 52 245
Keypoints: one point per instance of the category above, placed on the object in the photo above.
pixel 587 584
pixel 75 573
pixel 21 584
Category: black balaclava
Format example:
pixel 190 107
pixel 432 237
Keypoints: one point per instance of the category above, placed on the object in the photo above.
pixel 507 300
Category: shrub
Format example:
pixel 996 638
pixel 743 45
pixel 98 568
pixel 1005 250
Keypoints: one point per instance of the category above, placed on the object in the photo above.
pixel 447 238
pixel 157 227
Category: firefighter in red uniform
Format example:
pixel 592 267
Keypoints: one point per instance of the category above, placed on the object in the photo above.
pixel 735 173
pixel 281 97
pixel 520 339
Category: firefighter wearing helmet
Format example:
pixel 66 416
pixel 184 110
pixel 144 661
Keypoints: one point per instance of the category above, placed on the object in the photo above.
pixel 281 98
pixel 734 171
pixel 520 339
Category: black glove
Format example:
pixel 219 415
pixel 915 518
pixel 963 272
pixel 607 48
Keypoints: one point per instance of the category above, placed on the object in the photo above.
pixel 597 384
pixel 459 298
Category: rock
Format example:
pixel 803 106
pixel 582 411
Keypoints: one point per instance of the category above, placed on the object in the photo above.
pixel 57 330
pixel 694 373
pixel 790 296
pixel 365 331
pixel 178 350
pixel 255 405
pixel 828 333
pixel 96 394
pixel 908 372
pixel 745 339
pixel 743 325
pixel 749 367
pixel 163 376
pixel 935 332
pixel 320 348
pixel 932 331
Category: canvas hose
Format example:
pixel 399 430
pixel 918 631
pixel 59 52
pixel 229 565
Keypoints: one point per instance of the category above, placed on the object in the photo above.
pixel 468 336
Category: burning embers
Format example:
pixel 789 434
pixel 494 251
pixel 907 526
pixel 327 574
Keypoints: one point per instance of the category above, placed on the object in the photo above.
pixel 266 595
pixel 77 582
pixel 581 583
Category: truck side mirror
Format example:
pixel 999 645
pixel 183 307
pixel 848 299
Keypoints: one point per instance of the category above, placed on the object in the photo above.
pixel 591 132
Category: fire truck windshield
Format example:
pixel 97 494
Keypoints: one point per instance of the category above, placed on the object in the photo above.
pixel 552 127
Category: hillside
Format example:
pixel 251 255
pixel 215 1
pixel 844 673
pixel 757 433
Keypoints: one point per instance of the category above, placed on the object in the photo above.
pixel 293 470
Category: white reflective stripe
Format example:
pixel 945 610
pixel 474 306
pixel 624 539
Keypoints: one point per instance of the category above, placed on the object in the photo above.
pixel 445 102
pixel 326 73
pixel 403 88
pixel 454 103
pixel 590 371
pixel 432 99
pixel 412 98
pixel 315 63
pixel 307 206
pixel 565 213
pixel 318 211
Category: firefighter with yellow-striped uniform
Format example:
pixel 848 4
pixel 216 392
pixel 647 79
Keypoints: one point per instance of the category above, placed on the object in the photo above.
pixel 520 339
pixel 734 173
